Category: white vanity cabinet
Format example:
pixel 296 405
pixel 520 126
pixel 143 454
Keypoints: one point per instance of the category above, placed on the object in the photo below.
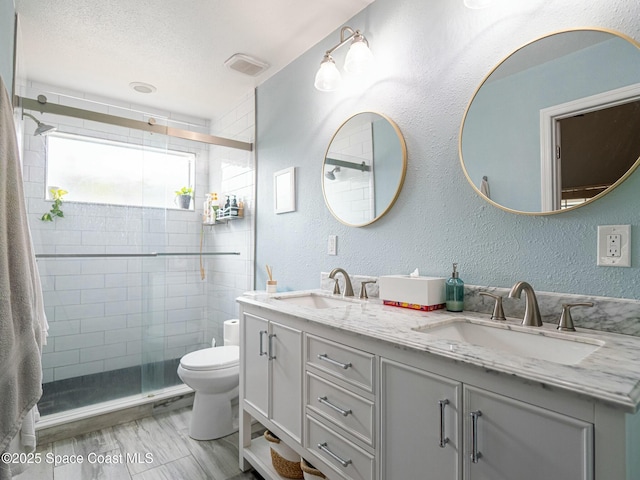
pixel 340 407
pixel 507 439
pixel 272 372
pixel 430 423
pixel 362 408
pixel 420 427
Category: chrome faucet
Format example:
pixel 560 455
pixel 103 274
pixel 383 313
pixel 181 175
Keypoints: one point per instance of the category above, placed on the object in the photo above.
pixel 348 289
pixel 531 310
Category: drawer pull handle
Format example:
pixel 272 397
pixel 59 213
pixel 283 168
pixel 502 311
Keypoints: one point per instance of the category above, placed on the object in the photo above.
pixel 271 356
pixel 443 439
pixel 262 352
pixel 325 357
pixel 475 454
pixel 324 448
pixel 341 411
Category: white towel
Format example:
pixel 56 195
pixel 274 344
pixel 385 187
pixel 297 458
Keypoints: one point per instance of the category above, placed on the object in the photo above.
pixel 23 442
pixel 22 320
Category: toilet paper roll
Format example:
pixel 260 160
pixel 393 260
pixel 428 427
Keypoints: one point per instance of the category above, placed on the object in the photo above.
pixel 232 332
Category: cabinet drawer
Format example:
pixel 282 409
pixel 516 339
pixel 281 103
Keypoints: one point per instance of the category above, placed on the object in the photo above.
pixel 348 410
pixel 346 458
pixel 351 365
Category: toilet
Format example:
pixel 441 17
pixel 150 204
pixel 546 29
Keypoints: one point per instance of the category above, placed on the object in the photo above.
pixel 214 375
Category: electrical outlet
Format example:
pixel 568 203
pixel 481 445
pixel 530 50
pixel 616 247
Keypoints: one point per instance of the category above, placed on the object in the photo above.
pixel 332 245
pixel 614 243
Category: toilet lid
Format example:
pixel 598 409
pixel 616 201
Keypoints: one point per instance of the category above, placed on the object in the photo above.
pixel 211 358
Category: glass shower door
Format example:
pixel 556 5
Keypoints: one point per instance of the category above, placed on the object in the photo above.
pixel 174 304
pixel 153 316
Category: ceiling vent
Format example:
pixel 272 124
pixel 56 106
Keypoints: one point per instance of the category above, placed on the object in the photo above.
pixel 246 64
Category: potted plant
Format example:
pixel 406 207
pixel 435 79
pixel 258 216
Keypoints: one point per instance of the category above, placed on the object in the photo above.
pixel 56 195
pixel 183 197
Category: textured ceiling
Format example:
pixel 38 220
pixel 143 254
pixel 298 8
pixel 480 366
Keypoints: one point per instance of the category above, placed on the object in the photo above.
pixel 100 47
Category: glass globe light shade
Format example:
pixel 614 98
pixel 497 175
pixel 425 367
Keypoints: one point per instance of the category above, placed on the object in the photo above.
pixel 328 77
pixel 359 58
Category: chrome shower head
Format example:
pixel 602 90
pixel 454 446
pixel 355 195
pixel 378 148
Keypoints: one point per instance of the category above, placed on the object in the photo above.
pixel 42 128
pixel 331 173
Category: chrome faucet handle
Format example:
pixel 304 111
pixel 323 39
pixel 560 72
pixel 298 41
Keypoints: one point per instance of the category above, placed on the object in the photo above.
pixel 363 288
pixel 336 287
pixel 498 312
pixel 566 322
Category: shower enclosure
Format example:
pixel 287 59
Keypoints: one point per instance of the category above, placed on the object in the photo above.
pixel 129 286
pixel 142 312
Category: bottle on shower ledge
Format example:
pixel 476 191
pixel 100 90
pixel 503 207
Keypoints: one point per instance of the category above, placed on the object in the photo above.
pixel 454 291
pixel 234 206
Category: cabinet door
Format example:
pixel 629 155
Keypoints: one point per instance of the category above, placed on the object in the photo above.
pixel 286 379
pixel 419 427
pixel 517 440
pixel 256 362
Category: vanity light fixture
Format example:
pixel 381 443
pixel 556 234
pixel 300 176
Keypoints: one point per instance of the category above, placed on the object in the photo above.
pixel 359 60
pixel 477 4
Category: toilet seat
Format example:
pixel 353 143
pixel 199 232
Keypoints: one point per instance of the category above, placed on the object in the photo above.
pixel 215 358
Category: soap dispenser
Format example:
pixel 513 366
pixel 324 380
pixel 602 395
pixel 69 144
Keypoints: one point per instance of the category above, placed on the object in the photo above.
pixel 454 291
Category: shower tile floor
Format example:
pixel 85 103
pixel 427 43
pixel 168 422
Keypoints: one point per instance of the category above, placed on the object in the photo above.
pixel 77 392
pixel 152 448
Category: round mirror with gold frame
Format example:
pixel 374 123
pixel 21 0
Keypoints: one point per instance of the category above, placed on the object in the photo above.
pixel 364 169
pixel 555 125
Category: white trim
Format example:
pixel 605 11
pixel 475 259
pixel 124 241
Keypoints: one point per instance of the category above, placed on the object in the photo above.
pixel 548 123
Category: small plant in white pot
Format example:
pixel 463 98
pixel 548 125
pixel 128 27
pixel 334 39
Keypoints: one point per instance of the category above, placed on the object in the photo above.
pixel 183 197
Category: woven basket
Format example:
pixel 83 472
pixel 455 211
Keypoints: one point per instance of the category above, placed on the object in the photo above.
pixel 309 471
pixel 285 467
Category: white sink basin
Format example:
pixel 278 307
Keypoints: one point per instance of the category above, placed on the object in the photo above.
pixel 314 300
pixel 521 341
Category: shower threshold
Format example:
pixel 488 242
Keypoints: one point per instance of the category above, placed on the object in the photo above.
pixel 96 388
pixel 58 426
pixel 99 400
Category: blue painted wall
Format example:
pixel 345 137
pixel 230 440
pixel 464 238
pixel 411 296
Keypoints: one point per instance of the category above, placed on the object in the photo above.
pixel 386 148
pixel 431 57
pixel 7 16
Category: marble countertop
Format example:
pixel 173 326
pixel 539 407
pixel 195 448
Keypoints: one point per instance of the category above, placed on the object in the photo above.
pixel 610 374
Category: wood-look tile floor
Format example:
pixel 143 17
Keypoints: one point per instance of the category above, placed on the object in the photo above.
pixel 153 448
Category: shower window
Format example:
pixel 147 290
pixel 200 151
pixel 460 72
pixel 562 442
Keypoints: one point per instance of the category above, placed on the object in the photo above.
pixel 108 172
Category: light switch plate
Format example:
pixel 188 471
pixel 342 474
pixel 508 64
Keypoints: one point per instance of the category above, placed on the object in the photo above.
pixel 332 245
pixel 612 253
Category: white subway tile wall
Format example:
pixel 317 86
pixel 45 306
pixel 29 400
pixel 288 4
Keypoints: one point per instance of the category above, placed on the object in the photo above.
pixel 232 172
pixel 351 192
pixel 112 313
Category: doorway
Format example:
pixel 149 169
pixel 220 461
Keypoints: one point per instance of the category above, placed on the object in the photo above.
pixel 588 146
